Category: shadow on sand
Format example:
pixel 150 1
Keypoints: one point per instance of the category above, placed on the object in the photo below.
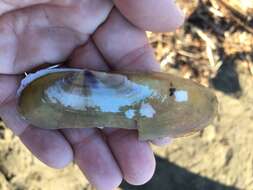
pixel 169 176
pixel 226 80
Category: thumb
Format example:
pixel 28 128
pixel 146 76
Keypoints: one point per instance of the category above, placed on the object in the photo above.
pixel 152 15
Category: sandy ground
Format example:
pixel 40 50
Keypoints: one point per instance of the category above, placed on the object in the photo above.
pixel 219 157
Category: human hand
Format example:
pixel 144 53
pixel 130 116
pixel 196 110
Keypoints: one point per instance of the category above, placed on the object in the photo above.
pixel 95 34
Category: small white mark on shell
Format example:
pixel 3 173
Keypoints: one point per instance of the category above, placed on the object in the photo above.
pixel 57 95
pixel 130 113
pixel 147 110
pixel 181 96
pixel 164 98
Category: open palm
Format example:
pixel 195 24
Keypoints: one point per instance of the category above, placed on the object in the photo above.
pixel 94 34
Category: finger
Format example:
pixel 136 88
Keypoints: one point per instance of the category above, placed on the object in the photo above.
pixel 47 34
pixel 48 146
pixel 94 158
pixel 152 15
pixel 162 141
pixel 124 46
pixel 135 158
pixel 88 57
pixel 91 152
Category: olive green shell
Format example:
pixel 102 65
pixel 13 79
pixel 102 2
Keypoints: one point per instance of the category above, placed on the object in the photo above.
pixel 156 104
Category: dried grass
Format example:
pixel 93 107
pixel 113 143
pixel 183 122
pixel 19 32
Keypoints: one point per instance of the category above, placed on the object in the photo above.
pixel 215 32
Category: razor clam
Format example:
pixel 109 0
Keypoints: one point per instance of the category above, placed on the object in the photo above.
pixel 156 104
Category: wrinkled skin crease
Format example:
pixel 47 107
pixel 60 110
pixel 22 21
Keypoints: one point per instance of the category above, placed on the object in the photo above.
pixel 94 34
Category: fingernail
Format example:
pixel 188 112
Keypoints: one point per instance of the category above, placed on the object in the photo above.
pixel 162 141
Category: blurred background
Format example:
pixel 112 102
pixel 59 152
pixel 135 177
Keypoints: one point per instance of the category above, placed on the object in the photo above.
pixel 214 48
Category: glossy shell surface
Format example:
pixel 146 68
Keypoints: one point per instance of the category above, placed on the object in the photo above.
pixel 156 104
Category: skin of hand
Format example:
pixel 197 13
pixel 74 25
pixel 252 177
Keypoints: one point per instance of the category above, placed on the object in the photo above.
pixel 93 34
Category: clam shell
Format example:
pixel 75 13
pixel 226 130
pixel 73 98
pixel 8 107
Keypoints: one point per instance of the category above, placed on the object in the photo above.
pixel 156 104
